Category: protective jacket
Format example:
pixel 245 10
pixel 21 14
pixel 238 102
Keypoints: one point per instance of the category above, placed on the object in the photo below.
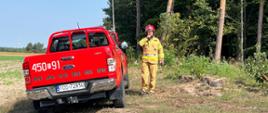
pixel 152 50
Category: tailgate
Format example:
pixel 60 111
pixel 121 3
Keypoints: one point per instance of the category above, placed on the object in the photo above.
pixel 71 66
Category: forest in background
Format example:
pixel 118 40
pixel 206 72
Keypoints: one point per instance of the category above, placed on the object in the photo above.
pixel 193 25
pixel 29 48
pixel 200 37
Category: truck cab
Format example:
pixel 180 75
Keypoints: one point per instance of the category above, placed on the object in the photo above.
pixel 79 65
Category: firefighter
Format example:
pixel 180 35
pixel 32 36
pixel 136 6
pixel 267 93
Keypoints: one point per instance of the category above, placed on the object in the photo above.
pixel 152 55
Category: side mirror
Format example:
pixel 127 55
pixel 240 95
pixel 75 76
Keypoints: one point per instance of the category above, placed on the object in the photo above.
pixel 124 45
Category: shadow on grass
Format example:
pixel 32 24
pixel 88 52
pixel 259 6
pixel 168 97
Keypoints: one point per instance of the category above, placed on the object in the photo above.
pixel 133 92
pixel 25 106
pixel 21 106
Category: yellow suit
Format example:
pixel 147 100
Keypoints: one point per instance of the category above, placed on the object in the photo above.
pixel 152 54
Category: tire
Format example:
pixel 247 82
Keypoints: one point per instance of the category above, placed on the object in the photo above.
pixel 120 102
pixel 38 108
pixel 36 104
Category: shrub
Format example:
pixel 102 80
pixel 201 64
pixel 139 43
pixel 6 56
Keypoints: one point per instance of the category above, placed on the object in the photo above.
pixel 131 54
pixel 170 57
pixel 196 65
pixel 257 66
pixel 199 66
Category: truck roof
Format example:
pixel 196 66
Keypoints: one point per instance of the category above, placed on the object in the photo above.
pixel 78 29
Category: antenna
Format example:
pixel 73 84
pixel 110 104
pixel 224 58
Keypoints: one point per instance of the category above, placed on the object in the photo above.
pixel 77 23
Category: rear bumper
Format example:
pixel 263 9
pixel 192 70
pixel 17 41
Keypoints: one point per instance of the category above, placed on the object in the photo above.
pixel 93 86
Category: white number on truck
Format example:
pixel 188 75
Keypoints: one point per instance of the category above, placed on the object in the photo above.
pixel 43 66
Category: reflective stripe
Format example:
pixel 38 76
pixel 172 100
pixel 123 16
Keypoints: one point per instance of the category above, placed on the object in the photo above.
pixel 150 58
pixel 150 55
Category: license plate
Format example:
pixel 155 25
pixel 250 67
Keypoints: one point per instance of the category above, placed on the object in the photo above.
pixel 71 87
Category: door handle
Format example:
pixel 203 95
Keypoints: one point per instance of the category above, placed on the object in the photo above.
pixel 67 58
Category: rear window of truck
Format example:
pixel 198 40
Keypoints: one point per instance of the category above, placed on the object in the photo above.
pixel 97 39
pixel 60 44
pixel 79 41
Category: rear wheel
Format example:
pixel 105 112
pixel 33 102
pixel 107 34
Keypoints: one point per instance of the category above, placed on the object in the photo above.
pixel 37 107
pixel 120 101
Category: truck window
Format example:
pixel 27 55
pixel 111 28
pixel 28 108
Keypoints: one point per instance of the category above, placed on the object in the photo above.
pixel 79 41
pixel 60 44
pixel 97 39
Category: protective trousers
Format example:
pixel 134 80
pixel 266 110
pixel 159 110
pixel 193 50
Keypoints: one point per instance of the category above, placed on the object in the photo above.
pixel 149 71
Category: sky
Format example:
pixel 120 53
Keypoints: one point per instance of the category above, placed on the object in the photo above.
pixel 24 21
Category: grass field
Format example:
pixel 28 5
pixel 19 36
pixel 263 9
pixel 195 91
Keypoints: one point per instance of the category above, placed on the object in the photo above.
pixel 17 54
pixel 4 56
pixel 11 58
pixel 170 96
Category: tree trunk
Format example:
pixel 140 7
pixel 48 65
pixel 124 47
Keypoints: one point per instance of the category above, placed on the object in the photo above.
pixel 138 16
pixel 170 6
pixel 138 23
pixel 169 10
pixel 245 26
pixel 260 22
pixel 242 33
pixel 113 15
pixel 220 31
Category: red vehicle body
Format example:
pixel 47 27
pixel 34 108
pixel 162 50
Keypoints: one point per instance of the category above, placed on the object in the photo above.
pixel 78 65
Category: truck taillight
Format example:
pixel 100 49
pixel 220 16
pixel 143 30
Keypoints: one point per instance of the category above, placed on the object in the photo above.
pixel 111 64
pixel 26 67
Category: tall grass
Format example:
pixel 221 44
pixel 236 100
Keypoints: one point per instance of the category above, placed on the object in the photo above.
pixel 199 66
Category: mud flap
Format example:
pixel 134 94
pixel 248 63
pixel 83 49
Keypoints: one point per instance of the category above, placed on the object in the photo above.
pixel 116 94
pixel 126 83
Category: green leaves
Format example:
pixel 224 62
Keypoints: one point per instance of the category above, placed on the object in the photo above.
pixel 177 32
pixel 199 66
pixel 257 66
pixel 192 28
pixel 188 34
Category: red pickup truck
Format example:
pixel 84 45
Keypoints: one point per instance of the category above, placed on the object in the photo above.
pixel 79 65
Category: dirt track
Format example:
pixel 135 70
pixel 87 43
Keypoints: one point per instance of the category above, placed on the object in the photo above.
pixel 170 97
